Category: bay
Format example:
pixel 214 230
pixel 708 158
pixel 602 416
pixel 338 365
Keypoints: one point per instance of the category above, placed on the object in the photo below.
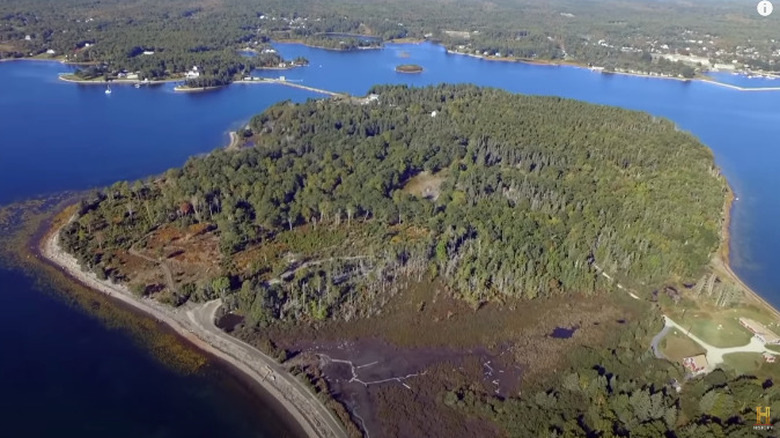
pixel 58 136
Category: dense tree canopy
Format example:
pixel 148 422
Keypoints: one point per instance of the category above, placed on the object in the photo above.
pixel 532 194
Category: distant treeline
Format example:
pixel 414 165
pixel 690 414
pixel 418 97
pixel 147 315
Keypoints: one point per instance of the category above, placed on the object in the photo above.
pixel 611 34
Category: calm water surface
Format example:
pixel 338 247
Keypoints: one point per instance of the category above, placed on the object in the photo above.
pixel 64 374
pixel 60 136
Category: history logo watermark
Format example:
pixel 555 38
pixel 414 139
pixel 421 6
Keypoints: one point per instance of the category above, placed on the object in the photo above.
pixel 763 418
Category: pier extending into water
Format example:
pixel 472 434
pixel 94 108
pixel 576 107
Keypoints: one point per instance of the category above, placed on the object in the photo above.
pixel 738 88
pixel 290 84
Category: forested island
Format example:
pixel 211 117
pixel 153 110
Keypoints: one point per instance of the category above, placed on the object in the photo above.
pixel 409 68
pixel 450 217
pixel 161 41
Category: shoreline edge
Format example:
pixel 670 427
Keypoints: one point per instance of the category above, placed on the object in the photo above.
pixel 310 415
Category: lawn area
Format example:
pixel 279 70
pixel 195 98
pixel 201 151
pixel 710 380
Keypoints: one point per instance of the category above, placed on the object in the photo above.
pixel 719 326
pixel 677 346
pixel 744 363
pixel 752 364
pixel 773 347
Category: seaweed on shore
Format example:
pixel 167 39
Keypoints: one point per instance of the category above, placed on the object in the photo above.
pixel 25 225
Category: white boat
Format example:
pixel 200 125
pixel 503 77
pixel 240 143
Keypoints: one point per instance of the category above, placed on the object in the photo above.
pixel 108 89
pixel 137 85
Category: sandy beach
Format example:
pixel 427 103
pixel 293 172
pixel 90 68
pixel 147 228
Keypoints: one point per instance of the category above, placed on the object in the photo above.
pixel 195 322
pixel 234 141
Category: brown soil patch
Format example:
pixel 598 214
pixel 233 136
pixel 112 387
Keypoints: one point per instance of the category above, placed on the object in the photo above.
pixel 426 185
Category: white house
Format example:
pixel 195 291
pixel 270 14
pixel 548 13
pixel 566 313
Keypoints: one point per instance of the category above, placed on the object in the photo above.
pixel 50 52
pixel 193 73
pixel 27 37
pixel 148 52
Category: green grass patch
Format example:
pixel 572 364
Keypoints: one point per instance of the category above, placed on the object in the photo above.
pixel 677 346
pixel 752 364
pixel 743 363
pixel 719 326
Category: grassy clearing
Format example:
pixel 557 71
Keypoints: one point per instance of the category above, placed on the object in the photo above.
pixel 744 363
pixel 718 326
pixel 677 346
pixel 752 364
pixel 426 184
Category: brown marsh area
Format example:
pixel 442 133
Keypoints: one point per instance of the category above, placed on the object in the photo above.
pixel 391 371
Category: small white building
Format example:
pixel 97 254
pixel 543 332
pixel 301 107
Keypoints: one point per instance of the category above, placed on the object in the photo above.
pixel 28 37
pixel 434 113
pixel 148 52
pixel 50 52
pixel 193 73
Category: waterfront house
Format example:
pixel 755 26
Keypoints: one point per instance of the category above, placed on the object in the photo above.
pixel 193 73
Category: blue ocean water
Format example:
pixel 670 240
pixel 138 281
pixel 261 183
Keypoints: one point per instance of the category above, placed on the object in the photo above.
pixel 58 136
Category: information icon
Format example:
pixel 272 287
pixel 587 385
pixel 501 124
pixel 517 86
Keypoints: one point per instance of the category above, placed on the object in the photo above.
pixel 764 8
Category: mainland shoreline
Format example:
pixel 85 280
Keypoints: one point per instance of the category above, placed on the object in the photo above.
pixel 639 75
pixel 196 325
pixel 448 51
pixel 114 81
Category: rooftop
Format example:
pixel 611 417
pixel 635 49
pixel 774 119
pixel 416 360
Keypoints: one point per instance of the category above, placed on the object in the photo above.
pixel 760 330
